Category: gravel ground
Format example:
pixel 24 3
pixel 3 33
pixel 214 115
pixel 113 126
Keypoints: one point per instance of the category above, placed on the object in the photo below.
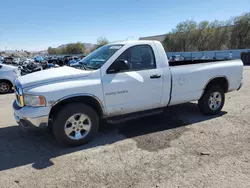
pixel 181 149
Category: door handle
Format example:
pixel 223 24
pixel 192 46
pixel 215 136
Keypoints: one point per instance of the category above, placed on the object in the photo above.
pixel 155 76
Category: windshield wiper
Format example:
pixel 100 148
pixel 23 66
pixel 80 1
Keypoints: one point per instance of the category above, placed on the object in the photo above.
pixel 84 65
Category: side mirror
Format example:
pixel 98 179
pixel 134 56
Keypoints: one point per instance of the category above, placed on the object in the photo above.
pixel 118 66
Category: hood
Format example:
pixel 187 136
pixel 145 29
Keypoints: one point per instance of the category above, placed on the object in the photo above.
pixel 51 75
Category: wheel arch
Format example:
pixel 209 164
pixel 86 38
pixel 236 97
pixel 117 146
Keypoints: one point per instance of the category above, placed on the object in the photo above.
pixel 221 81
pixel 87 99
pixel 6 80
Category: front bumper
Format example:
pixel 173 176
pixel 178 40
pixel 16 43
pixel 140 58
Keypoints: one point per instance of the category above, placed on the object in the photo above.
pixel 31 118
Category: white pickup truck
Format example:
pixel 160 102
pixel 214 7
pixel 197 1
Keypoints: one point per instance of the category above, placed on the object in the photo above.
pixel 119 82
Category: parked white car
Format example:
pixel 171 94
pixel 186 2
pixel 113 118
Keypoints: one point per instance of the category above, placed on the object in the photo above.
pixel 8 74
pixel 1 59
pixel 121 81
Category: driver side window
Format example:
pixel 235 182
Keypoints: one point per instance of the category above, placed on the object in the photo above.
pixel 140 57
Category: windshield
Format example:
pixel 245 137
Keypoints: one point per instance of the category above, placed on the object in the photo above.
pixel 97 58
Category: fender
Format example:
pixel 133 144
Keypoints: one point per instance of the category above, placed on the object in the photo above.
pixel 54 103
pixel 215 77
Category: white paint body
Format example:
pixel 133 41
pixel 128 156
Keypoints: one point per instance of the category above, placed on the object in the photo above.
pixel 8 72
pixel 134 91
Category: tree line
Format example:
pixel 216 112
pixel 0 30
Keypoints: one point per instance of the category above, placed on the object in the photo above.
pixel 189 36
pixel 216 35
pixel 77 48
pixel 74 48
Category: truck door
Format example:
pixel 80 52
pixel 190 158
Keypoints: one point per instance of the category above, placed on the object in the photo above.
pixel 138 87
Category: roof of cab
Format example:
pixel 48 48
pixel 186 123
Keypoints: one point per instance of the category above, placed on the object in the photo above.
pixel 134 41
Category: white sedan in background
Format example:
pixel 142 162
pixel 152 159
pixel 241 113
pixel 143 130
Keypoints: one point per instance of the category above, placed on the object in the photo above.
pixel 8 74
pixel 1 59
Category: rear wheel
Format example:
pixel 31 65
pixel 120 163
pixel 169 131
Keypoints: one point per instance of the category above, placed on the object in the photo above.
pixel 75 124
pixel 212 100
pixel 5 87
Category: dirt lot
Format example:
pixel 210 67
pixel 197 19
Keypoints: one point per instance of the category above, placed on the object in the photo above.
pixel 183 149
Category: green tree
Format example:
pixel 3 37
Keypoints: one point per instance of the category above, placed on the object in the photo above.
pixel 240 36
pixel 216 35
pixel 101 41
pixel 52 51
pixel 203 35
pixel 170 44
pixel 74 48
pixel 219 35
pixel 184 34
pixel 182 37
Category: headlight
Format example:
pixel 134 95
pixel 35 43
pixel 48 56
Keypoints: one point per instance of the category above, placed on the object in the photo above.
pixel 34 100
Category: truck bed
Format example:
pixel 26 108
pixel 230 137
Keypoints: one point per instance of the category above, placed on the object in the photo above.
pixel 188 82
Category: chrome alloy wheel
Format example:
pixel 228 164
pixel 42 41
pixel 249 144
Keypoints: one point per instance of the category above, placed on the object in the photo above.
pixel 77 126
pixel 215 101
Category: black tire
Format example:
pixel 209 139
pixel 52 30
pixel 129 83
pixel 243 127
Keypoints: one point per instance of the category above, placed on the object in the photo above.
pixel 203 103
pixel 5 87
pixel 64 114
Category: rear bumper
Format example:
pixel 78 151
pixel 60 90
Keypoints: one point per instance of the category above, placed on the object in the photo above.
pixel 30 118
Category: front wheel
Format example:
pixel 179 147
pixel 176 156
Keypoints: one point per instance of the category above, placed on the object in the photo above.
pixel 212 100
pixel 75 124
